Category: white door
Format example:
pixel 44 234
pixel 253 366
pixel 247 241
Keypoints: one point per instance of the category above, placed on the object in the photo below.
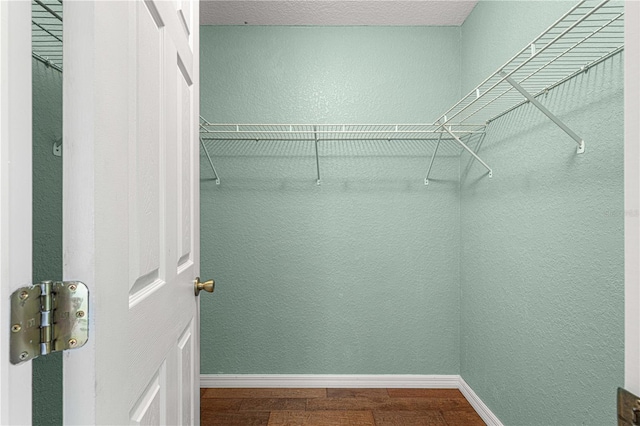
pixel 15 196
pixel 131 209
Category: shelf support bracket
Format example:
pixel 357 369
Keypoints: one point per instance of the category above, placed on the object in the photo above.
pixel 315 136
pixel 546 112
pixel 426 179
pixel 206 151
pixel 469 150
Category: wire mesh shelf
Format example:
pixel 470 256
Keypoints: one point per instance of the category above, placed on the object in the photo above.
pixel 330 132
pixel 46 23
pixel 589 33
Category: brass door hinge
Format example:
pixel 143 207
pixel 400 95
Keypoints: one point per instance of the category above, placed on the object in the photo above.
pixel 51 316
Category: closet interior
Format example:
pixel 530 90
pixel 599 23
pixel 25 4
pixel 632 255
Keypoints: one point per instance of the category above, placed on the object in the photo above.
pixel 506 268
pixel 366 272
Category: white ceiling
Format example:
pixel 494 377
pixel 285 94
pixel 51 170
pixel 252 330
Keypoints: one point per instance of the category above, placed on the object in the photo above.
pixel 335 12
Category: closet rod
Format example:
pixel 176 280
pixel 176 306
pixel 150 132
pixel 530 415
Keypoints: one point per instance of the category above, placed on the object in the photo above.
pixel 386 139
pixel 46 61
pixel 289 126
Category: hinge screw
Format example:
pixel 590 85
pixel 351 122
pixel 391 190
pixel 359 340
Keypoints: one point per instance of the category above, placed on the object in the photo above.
pixel 24 355
pixel 73 287
pixel 24 295
pixel 15 328
pixel 80 314
pixel 73 342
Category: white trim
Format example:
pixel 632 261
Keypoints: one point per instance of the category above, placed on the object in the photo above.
pixel 328 381
pixel 481 408
pixel 632 195
pixel 436 381
pixel 15 196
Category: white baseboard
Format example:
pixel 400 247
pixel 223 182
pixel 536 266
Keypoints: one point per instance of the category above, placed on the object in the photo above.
pixel 436 381
pixel 328 381
pixel 481 408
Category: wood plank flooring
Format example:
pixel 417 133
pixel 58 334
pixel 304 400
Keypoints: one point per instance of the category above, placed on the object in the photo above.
pixel 334 407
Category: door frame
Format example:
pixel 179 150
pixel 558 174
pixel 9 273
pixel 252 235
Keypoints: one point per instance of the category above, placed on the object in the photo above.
pixel 632 196
pixel 16 194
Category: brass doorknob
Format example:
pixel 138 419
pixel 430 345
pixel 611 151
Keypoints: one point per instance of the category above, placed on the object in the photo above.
pixel 208 286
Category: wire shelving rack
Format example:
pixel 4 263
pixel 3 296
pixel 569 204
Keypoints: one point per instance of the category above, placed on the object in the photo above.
pixel 591 32
pixel 46 24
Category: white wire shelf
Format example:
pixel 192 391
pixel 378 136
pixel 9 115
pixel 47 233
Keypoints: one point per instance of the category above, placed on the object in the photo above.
pixel 46 24
pixel 330 132
pixel 589 33
pixel 586 35
pixel 318 133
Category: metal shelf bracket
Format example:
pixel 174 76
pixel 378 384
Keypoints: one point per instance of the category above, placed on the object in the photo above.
pixel 315 136
pixel 546 112
pixel 469 150
pixel 433 157
pixel 206 151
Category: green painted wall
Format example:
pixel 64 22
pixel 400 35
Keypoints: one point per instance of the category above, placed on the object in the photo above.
pixel 47 227
pixel 360 274
pixel 542 254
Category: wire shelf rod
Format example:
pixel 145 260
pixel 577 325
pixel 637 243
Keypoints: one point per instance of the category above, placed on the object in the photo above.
pixel 524 50
pixel 573 25
pixel 593 33
pixel 342 127
pixel 553 76
pixel 46 20
pixel 319 132
pixel 46 61
pixel 328 140
pixel 554 59
pixel 569 77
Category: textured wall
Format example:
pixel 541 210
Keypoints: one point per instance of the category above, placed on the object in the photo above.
pixel 359 275
pixel 329 74
pixel 542 253
pixel 47 227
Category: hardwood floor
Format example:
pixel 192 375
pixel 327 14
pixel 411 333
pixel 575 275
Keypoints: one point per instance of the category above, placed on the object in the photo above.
pixel 333 407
